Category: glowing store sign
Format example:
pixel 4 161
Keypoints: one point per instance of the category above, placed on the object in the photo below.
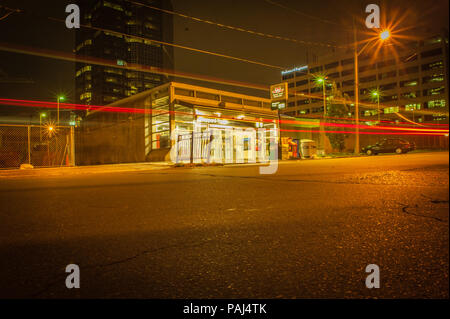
pixel 278 91
pixel 296 69
pixel 211 120
pixel 278 105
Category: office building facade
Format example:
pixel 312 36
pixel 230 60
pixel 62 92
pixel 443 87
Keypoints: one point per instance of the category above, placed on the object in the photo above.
pixel 413 82
pixel 105 24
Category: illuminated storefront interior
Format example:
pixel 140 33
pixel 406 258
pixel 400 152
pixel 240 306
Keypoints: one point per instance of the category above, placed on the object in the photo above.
pixel 197 124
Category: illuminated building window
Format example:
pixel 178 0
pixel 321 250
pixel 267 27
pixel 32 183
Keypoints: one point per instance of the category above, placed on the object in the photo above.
pixel 113 71
pixel 112 6
pixel 87 95
pixel 370 112
pixel 85 43
pixel 410 95
pixel 86 68
pixel 409 83
pixel 303 112
pixel 392 109
pixel 434 91
pixel 412 107
pixel 433 66
pixel 111 80
pixel 434 78
pixel 439 117
pixel 436 103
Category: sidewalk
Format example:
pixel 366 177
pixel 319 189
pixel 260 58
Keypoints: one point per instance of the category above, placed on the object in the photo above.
pixel 92 169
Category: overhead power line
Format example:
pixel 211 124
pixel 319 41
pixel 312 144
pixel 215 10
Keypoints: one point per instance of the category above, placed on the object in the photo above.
pixel 303 14
pixel 168 44
pixel 266 35
pixel 178 46
pixel 130 66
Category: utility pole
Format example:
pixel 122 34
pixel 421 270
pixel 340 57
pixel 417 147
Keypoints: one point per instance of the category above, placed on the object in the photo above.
pixel 378 109
pixel 324 100
pixel 356 90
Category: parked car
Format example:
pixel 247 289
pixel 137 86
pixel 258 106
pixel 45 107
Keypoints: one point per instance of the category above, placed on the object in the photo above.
pixel 389 145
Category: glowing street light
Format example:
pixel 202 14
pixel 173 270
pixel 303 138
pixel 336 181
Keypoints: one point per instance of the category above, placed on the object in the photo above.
pixel 41 115
pixel 59 98
pixel 375 94
pixel 321 80
pixel 384 35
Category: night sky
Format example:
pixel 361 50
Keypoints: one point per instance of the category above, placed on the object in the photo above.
pixel 302 20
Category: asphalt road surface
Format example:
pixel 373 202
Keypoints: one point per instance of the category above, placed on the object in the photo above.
pixel 308 231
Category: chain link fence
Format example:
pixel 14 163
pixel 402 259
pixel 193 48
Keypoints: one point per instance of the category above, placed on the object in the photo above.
pixel 40 146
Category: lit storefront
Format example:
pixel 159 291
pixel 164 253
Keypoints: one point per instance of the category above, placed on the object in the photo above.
pixel 195 124
pixel 184 124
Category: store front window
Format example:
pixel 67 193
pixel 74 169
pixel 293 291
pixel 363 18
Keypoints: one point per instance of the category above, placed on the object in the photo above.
pixel 221 136
pixel 160 123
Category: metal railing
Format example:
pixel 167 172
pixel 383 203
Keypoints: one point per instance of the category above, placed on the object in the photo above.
pixel 40 146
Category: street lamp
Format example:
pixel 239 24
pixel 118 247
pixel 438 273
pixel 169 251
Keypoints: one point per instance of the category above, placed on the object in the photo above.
pixel 321 80
pixel 382 36
pixel 59 98
pixel 376 96
pixel 41 115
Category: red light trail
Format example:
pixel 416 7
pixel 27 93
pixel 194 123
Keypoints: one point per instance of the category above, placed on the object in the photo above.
pixel 394 130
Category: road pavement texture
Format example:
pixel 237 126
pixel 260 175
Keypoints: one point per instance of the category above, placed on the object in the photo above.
pixel 308 231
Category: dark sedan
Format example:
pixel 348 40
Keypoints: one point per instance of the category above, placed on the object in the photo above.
pixel 390 145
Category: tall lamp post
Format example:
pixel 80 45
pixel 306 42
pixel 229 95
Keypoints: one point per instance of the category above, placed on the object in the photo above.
pixel 384 35
pixel 376 95
pixel 59 98
pixel 41 115
pixel 321 80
